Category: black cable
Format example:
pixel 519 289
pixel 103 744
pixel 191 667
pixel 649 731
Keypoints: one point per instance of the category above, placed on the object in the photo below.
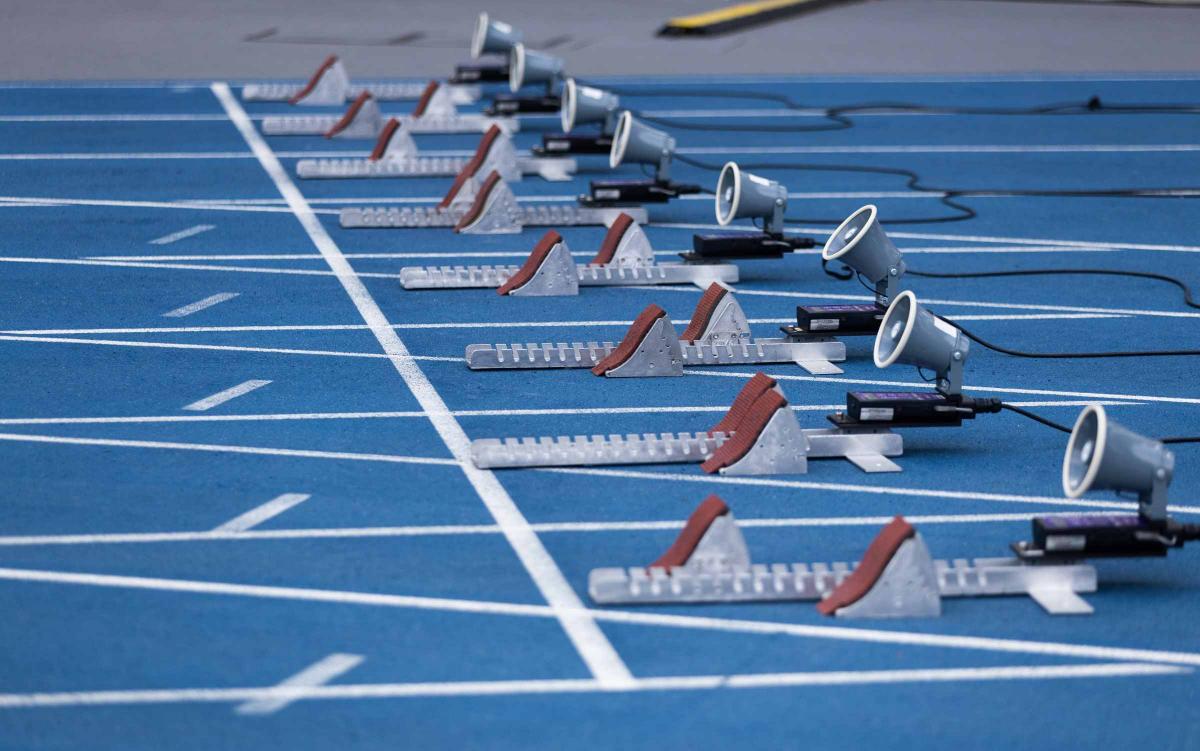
pixel 1067 355
pixel 946 196
pixel 1187 292
pixel 1036 417
pixel 1064 429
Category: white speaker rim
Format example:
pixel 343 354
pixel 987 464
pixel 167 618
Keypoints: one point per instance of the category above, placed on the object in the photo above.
pixel 874 213
pixel 620 139
pixel 481 27
pixel 737 193
pixel 1097 453
pixel 908 329
pixel 516 68
pixel 567 112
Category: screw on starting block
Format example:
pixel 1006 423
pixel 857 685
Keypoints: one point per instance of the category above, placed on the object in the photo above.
pixel 626 259
pixel 434 113
pixel 719 334
pixel 331 85
pixel 493 210
pixel 759 435
pixel 395 155
pixel 897 577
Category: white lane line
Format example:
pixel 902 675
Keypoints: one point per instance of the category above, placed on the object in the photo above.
pixel 227 449
pixel 593 646
pixel 183 234
pixel 921 385
pixel 885 490
pixel 260 514
pixel 1132 148
pixel 221 397
pixel 182 266
pixel 555 411
pixel 199 305
pixel 507 324
pixel 216 348
pixel 347 692
pixel 439 530
pixel 701 150
pixel 940 301
pixel 729 625
pixel 54 202
pixel 298 686
pixel 942 237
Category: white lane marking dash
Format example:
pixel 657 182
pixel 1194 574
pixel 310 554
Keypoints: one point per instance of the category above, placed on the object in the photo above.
pixel 260 514
pixel 296 687
pixel 182 234
pixel 199 305
pixel 221 397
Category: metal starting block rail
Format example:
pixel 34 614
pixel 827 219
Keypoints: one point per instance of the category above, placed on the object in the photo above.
pixel 897 577
pixel 331 85
pixel 759 435
pixel 493 210
pixel 626 259
pixel 719 334
pixel 363 119
pixel 395 155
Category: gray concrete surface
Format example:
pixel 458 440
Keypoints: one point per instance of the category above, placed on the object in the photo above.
pixel 119 39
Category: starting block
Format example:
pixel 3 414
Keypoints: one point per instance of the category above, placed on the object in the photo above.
pixel 897 577
pixel 331 85
pixel 718 334
pixel 434 113
pixel 492 209
pixel 759 435
pixel 395 155
pixel 625 260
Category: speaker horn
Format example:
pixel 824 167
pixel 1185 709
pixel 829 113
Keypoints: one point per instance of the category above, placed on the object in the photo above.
pixel 911 334
pixel 493 37
pixel 584 104
pixel 1102 455
pixel 741 194
pixel 530 66
pixel 637 143
pixel 860 243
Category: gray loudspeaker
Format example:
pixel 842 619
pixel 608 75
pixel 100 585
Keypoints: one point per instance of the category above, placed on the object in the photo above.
pixel 640 144
pixel 530 66
pixel 910 334
pixel 493 36
pixel 741 194
pixel 583 104
pixel 860 243
pixel 1103 455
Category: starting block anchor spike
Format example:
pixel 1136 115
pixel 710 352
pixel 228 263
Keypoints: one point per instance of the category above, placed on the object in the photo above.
pixel 550 271
pixel 650 348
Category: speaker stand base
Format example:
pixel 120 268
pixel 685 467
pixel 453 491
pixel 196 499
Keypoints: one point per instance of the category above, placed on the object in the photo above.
pixel 507 104
pixel 746 246
pixel 496 73
pixel 556 144
pixel 634 192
